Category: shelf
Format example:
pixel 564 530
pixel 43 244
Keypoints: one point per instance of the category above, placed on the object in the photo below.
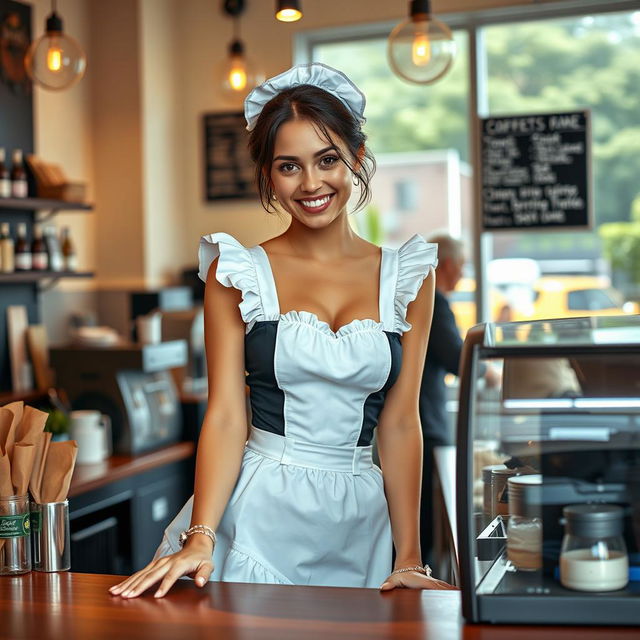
pixel 20 277
pixel 6 397
pixel 43 204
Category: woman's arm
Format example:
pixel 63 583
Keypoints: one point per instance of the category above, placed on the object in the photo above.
pixel 399 442
pixel 220 446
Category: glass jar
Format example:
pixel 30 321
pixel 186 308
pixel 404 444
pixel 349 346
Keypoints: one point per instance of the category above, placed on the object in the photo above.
pixel 593 555
pixel 499 491
pixel 15 542
pixel 486 487
pixel 524 531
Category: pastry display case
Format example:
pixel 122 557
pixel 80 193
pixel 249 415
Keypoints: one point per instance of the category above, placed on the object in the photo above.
pixel 548 470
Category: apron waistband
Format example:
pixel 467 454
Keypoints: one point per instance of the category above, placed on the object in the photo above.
pixel 286 450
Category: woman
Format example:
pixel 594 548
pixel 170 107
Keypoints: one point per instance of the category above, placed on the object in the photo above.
pixel 321 322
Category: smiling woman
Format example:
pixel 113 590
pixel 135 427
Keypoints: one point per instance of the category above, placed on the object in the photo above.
pixel 331 332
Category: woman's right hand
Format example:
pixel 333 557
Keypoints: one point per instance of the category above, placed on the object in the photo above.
pixel 194 560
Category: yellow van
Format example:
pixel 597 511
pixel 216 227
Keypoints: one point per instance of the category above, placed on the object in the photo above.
pixel 573 296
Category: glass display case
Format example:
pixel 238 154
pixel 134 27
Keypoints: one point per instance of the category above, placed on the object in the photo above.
pixel 548 468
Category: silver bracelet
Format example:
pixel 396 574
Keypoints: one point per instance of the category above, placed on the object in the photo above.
pixel 197 528
pixel 426 570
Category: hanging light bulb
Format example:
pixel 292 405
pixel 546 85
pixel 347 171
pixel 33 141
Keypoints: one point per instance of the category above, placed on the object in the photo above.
pixel 55 61
pixel 238 75
pixel 288 10
pixel 421 49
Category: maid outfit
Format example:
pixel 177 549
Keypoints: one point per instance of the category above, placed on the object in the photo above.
pixel 309 506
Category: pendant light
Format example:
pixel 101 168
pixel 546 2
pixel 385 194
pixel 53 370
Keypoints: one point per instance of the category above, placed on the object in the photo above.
pixel 238 75
pixel 421 49
pixel 55 61
pixel 288 10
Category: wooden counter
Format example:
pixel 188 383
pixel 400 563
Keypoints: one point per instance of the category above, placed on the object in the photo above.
pixel 87 477
pixel 73 606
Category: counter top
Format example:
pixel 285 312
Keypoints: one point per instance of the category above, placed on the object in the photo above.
pixel 87 477
pixel 73 606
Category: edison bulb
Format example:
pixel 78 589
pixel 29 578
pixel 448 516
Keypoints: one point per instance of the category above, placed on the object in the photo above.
pixel 54 58
pixel 55 61
pixel 237 74
pixel 421 49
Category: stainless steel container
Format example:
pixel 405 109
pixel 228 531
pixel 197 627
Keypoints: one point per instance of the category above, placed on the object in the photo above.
pixel 50 534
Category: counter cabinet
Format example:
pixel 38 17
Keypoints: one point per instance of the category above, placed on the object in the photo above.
pixel 119 509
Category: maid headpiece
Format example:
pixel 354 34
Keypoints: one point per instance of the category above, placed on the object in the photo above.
pixel 317 74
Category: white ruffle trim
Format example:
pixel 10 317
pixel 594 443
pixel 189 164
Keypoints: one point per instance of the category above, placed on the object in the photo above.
pixel 415 257
pixel 235 269
pixel 307 317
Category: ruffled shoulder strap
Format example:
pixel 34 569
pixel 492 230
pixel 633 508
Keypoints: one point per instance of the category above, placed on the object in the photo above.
pixel 415 258
pixel 235 269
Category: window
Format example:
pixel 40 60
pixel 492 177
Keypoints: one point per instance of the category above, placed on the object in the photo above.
pixel 420 138
pixel 542 59
pixel 585 62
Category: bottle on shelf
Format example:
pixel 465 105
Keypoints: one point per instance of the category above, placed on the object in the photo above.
pixel 5 176
pixel 39 254
pixel 22 249
pixel 70 259
pixel 7 262
pixel 56 259
pixel 19 187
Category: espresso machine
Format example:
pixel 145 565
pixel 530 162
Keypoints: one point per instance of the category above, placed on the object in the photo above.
pixel 132 384
pixel 188 325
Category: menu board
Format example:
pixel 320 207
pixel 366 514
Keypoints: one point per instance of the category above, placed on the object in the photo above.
pixel 228 168
pixel 535 171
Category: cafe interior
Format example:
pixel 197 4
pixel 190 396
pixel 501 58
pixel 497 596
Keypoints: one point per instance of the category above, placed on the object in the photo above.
pixel 511 125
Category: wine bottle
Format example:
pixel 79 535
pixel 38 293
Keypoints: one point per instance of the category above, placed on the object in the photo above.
pixel 68 251
pixel 5 176
pixel 19 188
pixel 7 262
pixel 22 249
pixel 39 255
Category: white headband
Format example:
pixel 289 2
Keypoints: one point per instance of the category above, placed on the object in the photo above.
pixel 316 74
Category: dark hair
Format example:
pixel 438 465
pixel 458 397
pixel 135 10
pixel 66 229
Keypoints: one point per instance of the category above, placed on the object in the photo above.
pixel 329 114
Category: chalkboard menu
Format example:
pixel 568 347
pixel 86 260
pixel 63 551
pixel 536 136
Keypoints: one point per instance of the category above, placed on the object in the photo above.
pixel 228 168
pixel 535 171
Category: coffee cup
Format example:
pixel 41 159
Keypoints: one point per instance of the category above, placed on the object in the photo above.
pixel 149 328
pixel 92 431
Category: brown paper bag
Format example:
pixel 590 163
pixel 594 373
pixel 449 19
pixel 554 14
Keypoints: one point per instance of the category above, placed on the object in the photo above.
pixel 10 417
pixel 21 467
pixel 39 461
pixel 59 464
pixel 31 425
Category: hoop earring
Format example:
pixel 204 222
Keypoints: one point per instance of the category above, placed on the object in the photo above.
pixel 356 181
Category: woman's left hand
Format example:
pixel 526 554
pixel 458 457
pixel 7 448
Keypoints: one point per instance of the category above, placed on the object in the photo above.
pixel 415 580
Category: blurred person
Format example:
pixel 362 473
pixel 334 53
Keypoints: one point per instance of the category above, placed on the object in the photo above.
pixel 443 356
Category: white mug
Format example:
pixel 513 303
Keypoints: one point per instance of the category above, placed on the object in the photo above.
pixel 92 431
pixel 149 328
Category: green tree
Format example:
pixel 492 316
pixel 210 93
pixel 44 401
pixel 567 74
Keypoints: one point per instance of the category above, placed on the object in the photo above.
pixel 621 244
